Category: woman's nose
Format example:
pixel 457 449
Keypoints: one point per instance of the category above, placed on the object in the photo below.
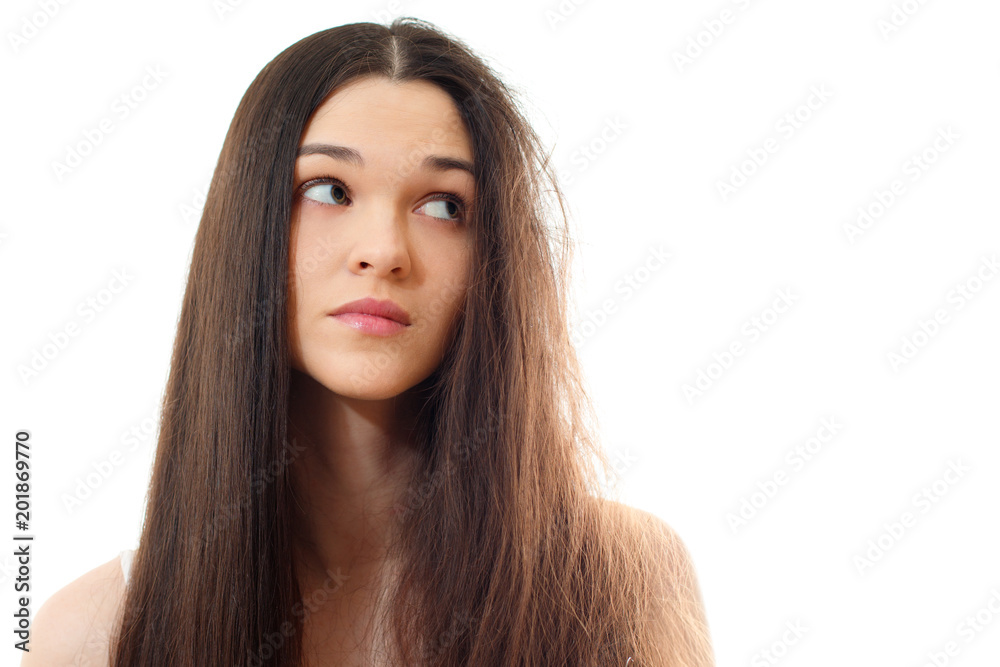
pixel 381 243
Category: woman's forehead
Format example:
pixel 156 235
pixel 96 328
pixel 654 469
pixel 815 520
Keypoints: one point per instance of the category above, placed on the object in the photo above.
pixel 376 112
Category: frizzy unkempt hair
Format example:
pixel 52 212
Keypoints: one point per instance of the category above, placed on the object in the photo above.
pixel 509 555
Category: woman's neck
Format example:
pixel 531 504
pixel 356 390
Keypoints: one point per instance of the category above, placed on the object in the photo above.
pixel 355 458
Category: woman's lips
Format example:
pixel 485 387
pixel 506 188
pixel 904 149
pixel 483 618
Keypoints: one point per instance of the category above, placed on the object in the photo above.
pixel 384 308
pixel 370 324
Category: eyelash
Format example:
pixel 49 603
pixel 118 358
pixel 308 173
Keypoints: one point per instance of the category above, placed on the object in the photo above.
pixel 331 180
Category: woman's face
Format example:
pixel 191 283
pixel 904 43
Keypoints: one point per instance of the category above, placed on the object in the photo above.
pixel 381 210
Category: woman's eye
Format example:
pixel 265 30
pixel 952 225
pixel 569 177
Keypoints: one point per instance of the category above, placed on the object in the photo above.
pixel 327 193
pixel 335 194
pixel 445 209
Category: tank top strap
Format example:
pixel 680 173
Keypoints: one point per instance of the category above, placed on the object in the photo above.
pixel 126 561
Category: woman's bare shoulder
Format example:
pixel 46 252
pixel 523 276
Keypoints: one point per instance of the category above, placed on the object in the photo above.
pixel 670 559
pixel 73 627
pixel 656 527
pixel 678 627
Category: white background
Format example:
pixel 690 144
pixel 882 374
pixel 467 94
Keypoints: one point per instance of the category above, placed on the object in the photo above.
pixel 645 139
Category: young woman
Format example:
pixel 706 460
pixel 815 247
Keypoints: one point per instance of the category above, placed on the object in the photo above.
pixel 375 447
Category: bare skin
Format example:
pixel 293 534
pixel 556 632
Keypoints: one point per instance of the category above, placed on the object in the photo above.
pixel 73 626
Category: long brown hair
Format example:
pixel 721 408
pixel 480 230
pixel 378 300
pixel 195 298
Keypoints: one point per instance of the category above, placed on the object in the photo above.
pixel 510 558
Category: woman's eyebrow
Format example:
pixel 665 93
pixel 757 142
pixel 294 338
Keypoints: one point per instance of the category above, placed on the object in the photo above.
pixel 435 162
